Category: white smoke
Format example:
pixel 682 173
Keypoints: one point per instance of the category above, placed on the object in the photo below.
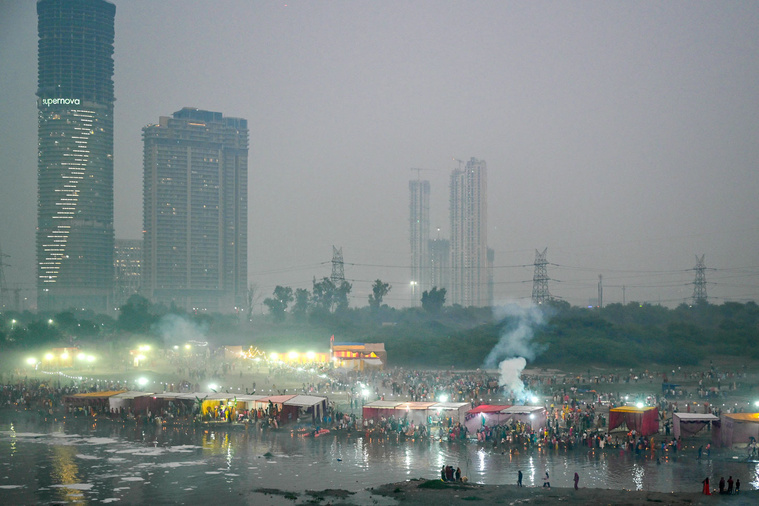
pixel 177 330
pixel 515 346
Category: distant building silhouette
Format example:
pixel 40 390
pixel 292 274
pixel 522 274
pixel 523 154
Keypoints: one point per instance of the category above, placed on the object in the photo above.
pixel 440 264
pixel 127 264
pixel 419 236
pixel 195 200
pixel 469 239
pixel 74 240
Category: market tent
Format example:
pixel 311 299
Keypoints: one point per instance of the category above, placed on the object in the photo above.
pixel 485 415
pixel 736 429
pixel 689 424
pixel 286 413
pixel 454 410
pixel 378 409
pixel 91 398
pixel 413 411
pixel 309 404
pixel 534 416
pixel 642 420
pixel 128 399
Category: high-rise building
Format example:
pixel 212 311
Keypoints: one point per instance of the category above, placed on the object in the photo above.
pixel 195 211
pixel 75 154
pixel 469 239
pixel 419 227
pixel 440 264
pixel 127 262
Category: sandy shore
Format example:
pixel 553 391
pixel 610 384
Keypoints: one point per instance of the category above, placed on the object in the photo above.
pixel 424 492
pixel 410 492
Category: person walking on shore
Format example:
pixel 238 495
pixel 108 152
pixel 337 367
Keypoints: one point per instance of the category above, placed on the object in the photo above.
pixel 546 481
pixel 730 485
pixel 519 478
pixel 706 490
pixel 577 480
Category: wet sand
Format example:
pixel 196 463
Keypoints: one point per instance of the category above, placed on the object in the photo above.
pixel 424 492
pixel 453 494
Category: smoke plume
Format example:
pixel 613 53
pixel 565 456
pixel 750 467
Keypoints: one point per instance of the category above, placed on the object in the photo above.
pixel 515 346
pixel 177 330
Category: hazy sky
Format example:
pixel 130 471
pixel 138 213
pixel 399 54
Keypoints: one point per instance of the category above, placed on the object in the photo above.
pixel 623 136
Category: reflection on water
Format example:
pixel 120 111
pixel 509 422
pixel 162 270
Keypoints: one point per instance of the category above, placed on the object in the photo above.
pixel 81 462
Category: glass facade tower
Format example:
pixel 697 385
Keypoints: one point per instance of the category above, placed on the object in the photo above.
pixel 195 211
pixel 75 235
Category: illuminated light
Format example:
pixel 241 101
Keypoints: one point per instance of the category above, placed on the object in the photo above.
pixel 142 381
pixel 140 357
pixel 31 360
pixel 443 398
pixel 49 356
pixel 213 386
pixel 639 405
pixel 90 358
pixel 310 355
pixel 292 355
pixel 64 355
pixel 81 356
pixel 274 356
pixel 187 346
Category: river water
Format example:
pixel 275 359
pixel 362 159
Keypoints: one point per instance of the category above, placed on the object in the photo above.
pixel 78 461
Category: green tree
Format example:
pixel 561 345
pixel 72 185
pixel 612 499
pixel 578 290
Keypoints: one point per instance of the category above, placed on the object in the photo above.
pixel 136 315
pixel 433 300
pixel 300 308
pixel 283 295
pixel 379 290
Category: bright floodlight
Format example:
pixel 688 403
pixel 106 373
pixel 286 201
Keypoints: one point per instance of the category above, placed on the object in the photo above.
pixel 31 360
pixel 187 346
pixel 90 358
pixel 50 321
pixel 365 392
pixel 310 355
pixel 212 386
pixel 534 399
pixel 293 355
pixel 142 381
pixel 274 356
pixel 81 356
pixel 64 355
pixel 756 403
pixel 49 356
pixel 639 405
pixel 443 398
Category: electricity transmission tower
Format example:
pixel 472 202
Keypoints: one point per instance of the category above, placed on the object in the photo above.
pixel 699 284
pixel 338 269
pixel 540 279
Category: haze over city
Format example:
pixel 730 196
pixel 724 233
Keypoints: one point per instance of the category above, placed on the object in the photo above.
pixel 621 136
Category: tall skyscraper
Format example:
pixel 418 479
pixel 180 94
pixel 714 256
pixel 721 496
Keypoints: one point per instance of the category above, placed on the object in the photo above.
pixel 469 238
pixel 195 198
pixel 127 264
pixel 75 162
pixel 419 227
pixel 440 264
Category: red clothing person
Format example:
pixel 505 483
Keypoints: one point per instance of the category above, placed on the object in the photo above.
pixel 706 487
